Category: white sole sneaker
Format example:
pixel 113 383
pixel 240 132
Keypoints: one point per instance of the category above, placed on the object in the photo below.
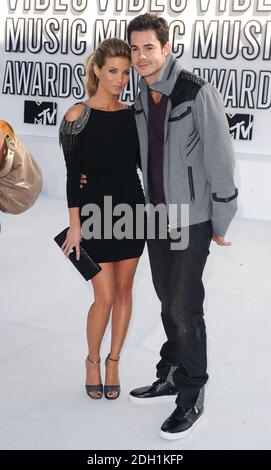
pixel 147 401
pixel 180 435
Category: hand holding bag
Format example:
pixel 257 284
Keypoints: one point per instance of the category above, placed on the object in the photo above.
pixel 86 265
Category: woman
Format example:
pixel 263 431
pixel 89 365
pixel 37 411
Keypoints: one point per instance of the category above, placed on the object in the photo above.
pixel 99 139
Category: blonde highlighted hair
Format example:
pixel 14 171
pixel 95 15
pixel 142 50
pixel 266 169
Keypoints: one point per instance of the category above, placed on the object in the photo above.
pixel 108 48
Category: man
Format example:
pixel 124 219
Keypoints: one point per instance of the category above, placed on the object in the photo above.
pixel 187 158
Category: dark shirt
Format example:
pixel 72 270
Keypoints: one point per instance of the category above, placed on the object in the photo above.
pixel 156 122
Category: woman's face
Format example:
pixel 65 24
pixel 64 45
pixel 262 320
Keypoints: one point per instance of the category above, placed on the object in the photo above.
pixel 114 75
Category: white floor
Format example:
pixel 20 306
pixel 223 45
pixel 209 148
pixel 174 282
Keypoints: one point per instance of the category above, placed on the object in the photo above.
pixel 43 311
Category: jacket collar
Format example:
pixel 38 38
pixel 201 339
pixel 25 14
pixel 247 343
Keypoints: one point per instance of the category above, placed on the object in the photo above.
pixel 167 77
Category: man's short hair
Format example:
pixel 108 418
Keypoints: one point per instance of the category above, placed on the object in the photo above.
pixel 152 22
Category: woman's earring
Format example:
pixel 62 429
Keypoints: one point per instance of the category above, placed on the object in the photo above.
pixel 96 78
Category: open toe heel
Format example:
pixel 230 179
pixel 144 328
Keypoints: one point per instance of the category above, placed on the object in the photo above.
pixel 94 391
pixel 111 389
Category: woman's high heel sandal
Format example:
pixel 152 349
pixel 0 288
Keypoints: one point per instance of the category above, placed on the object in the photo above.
pixel 94 391
pixel 111 389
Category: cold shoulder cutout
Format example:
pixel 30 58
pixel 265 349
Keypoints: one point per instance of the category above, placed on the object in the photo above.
pixel 74 113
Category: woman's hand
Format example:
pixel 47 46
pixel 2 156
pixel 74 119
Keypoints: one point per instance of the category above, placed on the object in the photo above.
pixel 72 241
pixel 83 180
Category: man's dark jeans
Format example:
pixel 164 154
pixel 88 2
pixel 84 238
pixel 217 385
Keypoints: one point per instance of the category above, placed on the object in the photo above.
pixel 177 278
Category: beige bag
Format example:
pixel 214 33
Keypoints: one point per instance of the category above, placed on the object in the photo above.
pixel 20 178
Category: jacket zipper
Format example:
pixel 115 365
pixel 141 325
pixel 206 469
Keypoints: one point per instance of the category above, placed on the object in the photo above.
pixel 191 183
pixel 143 110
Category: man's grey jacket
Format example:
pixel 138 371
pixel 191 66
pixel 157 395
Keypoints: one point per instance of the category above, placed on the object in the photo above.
pixel 198 161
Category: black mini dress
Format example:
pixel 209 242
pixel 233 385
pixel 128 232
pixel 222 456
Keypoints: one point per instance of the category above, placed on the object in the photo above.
pixel 104 145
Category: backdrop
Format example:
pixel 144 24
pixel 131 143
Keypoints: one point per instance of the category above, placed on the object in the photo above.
pixel 44 44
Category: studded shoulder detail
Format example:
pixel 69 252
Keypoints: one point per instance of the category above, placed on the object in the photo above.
pixel 186 87
pixel 70 130
pixel 191 77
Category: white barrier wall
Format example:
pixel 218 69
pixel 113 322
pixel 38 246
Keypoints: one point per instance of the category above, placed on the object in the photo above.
pixel 44 44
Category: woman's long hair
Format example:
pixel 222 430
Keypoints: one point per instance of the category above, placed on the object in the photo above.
pixel 108 48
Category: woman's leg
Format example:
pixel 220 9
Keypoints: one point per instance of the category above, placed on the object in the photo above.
pixel 98 316
pixel 122 309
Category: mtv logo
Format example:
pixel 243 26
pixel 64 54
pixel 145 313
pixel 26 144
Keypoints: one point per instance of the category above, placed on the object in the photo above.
pixel 240 126
pixel 41 113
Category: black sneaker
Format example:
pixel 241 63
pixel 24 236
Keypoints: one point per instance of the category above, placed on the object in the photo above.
pixel 180 422
pixel 158 392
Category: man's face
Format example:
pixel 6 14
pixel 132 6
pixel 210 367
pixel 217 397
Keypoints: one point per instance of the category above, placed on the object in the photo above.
pixel 148 55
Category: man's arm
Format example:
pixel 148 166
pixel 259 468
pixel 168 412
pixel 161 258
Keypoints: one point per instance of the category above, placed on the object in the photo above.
pixel 212 125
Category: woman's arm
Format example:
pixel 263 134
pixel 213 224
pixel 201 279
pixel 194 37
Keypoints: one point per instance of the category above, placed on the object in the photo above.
pixel 71 147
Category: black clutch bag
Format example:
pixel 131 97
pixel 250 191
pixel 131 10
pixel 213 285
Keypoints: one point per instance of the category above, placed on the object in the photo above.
pixel 86 265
